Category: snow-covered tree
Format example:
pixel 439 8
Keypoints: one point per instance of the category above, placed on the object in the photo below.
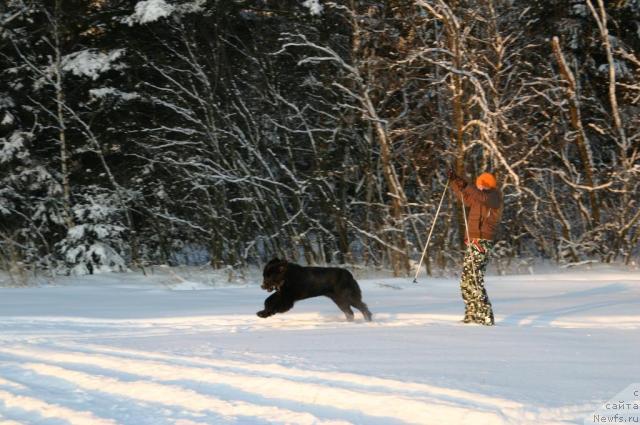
pixel 95 243
pixel 147 131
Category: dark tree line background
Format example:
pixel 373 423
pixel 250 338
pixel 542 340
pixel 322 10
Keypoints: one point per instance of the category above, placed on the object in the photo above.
pixel 229 132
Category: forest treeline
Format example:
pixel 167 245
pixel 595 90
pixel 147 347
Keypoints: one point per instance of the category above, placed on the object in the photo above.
pixel 230 132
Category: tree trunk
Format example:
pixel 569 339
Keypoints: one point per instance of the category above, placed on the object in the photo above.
pixel 581 137
pixel 62 137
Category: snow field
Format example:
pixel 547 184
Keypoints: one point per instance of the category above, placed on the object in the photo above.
pixel 118 349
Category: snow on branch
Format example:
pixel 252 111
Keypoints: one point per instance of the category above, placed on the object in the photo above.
pixel 329 54
pixel 104 92
pixel 92 63
pixel 13 147
pixel 147 11
pixel 314 6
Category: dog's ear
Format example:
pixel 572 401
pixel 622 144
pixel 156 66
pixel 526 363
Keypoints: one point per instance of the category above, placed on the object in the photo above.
pixel 273 262
pixel 277 265
pixel 282 266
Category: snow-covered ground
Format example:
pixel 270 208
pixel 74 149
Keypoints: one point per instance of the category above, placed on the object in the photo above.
pixel 130 349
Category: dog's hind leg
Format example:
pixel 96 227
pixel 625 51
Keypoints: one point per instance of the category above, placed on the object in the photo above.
pixel 365 311
pixel 355 299
pixel 363 308
pixel 345 307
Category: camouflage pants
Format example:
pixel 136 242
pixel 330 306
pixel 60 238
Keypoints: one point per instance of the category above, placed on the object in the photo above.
pixel 477 305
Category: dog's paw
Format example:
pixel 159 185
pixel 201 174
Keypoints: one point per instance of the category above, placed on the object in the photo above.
pixel 263 314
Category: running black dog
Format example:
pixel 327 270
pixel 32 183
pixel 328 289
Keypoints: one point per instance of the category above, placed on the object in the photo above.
pixel 293 282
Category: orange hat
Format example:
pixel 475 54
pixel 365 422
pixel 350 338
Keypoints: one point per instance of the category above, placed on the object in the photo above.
pixel 486 179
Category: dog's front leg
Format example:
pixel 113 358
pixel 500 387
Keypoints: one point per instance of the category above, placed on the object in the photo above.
pixel 269 305
pixel 275 303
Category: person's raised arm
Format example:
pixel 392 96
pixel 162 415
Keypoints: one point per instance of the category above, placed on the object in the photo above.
pixel 459 186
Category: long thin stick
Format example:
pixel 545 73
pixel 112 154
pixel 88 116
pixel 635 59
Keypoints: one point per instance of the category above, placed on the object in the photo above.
pixel 424 251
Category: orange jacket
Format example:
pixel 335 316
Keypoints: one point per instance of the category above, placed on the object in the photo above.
pixel 485 208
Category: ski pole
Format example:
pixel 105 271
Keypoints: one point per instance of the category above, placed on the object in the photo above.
pixel 424 251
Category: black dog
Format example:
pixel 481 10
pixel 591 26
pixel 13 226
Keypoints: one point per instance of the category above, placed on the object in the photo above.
pixel 293 282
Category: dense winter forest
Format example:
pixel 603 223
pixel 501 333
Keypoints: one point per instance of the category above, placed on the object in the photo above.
pixel 228 132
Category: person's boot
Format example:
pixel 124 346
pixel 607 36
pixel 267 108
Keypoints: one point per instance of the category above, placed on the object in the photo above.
pixel 488 319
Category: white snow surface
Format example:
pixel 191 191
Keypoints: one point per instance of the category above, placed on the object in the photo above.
pixel 180 348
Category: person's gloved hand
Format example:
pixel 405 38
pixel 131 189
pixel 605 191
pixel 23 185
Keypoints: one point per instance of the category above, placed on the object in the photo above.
pixel 455 179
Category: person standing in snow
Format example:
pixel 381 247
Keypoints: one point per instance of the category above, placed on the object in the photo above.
pixel 484 202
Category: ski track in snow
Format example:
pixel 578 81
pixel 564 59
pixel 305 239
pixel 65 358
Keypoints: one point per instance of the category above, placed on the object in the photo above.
pixel 57 354
pixel 46 410
pixel 265 393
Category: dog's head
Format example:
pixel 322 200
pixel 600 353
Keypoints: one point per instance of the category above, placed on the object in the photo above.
pixel 273 274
